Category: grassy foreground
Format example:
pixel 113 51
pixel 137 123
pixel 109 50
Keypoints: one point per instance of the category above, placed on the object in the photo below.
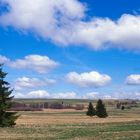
pixel 116 131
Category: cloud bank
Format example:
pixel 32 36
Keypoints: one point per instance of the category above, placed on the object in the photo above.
pixel 64 22
pixel 74 95
pixel 45 94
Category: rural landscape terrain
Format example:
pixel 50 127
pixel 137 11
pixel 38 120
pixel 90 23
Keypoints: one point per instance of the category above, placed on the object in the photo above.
pixel 74 124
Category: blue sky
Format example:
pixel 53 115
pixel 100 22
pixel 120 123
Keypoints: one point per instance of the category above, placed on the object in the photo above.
pixel 75 49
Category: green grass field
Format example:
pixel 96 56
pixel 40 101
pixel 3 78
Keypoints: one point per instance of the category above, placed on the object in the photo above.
pixel 70 124
pixel 116 131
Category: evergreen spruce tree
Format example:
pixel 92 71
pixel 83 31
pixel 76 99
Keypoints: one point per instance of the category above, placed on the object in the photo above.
pixel 7 118
pixel 91 111
pixel 100 109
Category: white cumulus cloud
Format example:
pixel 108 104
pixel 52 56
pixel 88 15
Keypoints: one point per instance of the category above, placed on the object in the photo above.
pixel 23 83
pixel 38 94
pixel 63 22
pixel 41 64
pixel 33 94
pixel 133 79
pixel 88 79
pixel 38 63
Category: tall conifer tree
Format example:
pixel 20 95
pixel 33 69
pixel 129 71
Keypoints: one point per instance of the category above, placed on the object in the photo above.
pixel 100 109
pixel 7 118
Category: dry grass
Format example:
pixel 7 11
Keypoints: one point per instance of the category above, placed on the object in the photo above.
pixel 61 118
pixel 70 120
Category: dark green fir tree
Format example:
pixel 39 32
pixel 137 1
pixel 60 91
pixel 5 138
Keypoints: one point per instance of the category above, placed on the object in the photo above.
pixel 7 118
pixel 91 111
pixel 100 109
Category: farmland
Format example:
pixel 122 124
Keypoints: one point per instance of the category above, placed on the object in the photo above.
pixel 61 124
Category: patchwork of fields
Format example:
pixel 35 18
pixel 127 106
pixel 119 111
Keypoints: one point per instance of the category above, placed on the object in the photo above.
pixel 71 124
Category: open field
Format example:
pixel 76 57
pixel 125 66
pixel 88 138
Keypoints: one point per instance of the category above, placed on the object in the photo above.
pixel 71 124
